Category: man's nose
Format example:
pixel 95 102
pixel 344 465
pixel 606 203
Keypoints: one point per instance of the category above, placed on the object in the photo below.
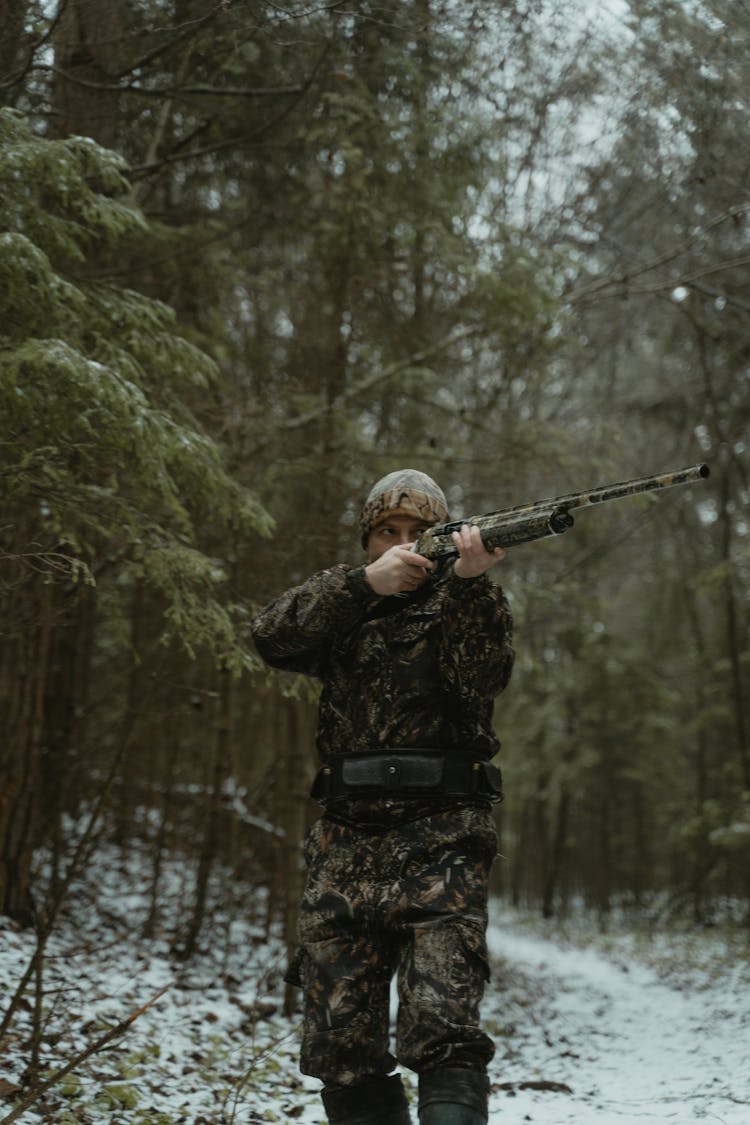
pixel 404 538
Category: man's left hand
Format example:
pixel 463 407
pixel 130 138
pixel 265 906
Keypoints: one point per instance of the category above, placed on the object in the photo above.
pixel 473 557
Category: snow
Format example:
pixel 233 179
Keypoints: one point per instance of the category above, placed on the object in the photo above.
pixel 631 1045
pixel 614 1029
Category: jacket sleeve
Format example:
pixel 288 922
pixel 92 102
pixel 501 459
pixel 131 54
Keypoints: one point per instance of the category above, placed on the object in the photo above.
pixel 476 650
pixel 297 630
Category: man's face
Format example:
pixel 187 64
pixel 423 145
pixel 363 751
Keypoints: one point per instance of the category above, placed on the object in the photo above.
pixel 394 531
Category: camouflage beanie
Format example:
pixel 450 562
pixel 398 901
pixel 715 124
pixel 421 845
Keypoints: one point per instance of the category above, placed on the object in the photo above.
pixel 407 492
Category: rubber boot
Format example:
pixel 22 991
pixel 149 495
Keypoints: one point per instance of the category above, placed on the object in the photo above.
pixel 453 1096
pixel 374 1101
pixel 451 1113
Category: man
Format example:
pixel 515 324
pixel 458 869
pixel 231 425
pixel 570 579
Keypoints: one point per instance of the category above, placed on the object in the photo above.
pixel 410 655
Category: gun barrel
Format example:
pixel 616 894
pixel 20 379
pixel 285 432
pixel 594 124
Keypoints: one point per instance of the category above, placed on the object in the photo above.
pixel 633 487
pixel 614 491
pixel 526 522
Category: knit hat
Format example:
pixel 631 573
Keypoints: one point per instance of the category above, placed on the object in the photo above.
pixel 407 492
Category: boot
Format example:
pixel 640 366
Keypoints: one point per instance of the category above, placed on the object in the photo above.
pixel 453 1096
pixel 451 1113
pixel 374 1101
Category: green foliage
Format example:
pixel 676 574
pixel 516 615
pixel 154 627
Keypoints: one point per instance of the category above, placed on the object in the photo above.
pixel 118 1097
pixel 66 196
pixel 188 579
pixel 95 436
pixel 71 1086
pixel 503 243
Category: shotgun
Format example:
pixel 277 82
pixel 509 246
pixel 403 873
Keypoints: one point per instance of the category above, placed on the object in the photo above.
pixel 526 522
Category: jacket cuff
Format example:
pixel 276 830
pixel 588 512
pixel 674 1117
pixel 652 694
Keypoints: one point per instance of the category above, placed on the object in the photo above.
pixel 358 586
pixel 467 587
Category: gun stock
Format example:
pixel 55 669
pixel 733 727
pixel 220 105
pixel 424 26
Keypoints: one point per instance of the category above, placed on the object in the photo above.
pixel 526 522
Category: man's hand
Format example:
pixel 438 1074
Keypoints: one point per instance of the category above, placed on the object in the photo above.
pixel 473 557
pixel 397 570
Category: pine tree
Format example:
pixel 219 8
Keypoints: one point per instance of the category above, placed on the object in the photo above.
pixel 105 473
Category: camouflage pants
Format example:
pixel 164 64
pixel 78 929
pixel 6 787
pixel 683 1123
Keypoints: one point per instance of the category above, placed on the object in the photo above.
pixel 409 900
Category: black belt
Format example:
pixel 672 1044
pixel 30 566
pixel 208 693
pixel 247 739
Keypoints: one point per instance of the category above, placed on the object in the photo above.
pixel 406 773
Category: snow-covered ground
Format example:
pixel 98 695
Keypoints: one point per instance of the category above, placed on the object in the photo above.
pixel 588 1029
pixel 648 1030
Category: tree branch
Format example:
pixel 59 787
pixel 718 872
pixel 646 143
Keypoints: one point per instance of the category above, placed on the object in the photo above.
pixel 598 288
pixel 171 91
pixel 381 377
pixel 20 74
pixel 244 138
pixel 114 1033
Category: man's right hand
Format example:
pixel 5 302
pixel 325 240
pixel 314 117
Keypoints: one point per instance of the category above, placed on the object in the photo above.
pixel 397 571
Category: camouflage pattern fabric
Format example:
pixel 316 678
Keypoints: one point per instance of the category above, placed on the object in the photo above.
pixel 409 899
pixel 395 885
pixel 418 670
pixel 407 492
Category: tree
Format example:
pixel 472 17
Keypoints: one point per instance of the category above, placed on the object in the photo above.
pixel 502 242
pixel 658 327
pixel 104 471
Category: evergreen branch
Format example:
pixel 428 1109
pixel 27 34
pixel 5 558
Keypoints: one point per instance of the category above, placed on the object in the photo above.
pixel 45 561
pixel 186 251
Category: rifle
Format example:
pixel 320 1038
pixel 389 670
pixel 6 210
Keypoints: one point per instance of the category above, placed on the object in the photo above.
pixel 526 522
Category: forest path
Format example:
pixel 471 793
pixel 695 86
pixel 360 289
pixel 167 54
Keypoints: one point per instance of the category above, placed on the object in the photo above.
pixel 607 1039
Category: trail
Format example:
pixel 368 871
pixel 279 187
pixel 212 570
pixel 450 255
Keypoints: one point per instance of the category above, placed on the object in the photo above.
pixel 613 1042
pixel 610 1031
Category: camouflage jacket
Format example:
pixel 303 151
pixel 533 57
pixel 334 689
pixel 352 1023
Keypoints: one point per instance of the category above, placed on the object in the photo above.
pixel 420 670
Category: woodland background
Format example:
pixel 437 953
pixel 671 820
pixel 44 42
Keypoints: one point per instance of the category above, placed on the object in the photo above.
pixel 255 255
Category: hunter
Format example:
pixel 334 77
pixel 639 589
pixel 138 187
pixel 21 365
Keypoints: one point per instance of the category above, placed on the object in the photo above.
pixel 411 655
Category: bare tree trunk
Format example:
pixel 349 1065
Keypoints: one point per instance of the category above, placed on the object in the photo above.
pixel 29 612
pixel 603 869
pixel 730 463
pixel 137 692
pixel 541 837
pixel 701 758
pixel 210 844
pixel 556 857
pixel 171 744
pixel 66 696
pixel 89 46
pixel 519 859
pixel 734 644
pixel 12 20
